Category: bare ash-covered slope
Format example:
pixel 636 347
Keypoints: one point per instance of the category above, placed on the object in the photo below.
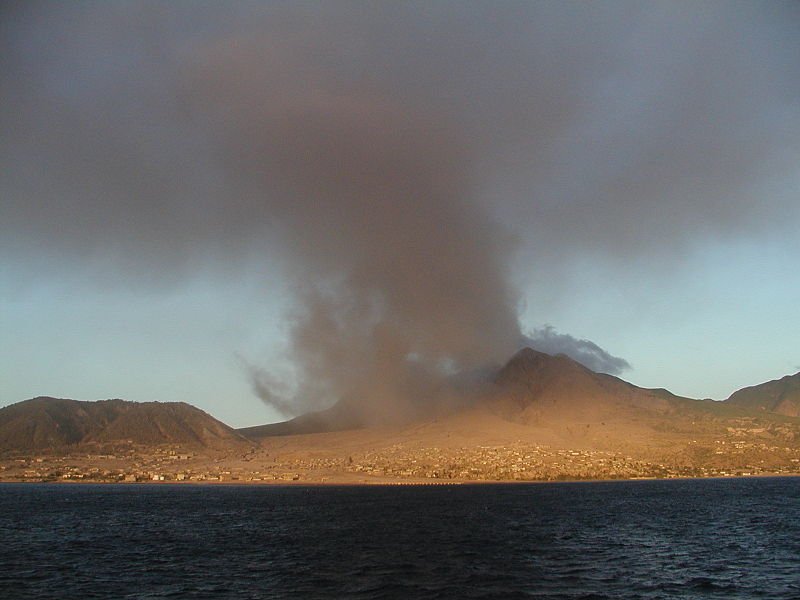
pixel 537 398
pixel 50 423
pixel 337 418
pixel 543 417
pixel 532 388
pixel 537 387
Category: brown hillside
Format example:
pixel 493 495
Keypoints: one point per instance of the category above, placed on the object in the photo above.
pixel 49 423
pixel 780 396
pixel 336 418
pixel 534 386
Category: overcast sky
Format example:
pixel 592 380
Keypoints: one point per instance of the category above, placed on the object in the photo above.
pixel 262 208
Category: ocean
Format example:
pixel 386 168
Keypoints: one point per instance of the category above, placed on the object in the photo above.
pixel 720 538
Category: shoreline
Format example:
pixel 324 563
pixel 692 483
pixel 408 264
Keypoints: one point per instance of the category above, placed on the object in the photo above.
pixel 398 483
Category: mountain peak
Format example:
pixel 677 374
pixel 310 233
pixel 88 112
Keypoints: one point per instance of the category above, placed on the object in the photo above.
pixel 529 363
pixel 534 385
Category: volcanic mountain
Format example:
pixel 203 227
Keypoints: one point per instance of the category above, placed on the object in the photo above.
pixel 532 388
pixel 538 417
pixel 780 396
pixel 534 395
pixel 47 423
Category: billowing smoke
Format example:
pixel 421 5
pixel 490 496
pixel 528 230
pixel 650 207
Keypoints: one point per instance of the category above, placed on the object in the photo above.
pixel 392 158
pixel 399 276
pixel 586 352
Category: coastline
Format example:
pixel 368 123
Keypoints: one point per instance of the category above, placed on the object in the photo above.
pixel 384 483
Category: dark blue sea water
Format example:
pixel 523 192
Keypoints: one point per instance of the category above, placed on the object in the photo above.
pixel 647 539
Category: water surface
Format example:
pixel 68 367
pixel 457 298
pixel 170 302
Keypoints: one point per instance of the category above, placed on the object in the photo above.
pixel 733 538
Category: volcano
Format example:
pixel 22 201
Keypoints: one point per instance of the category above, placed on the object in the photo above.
pixel 538 417
pixel 532 388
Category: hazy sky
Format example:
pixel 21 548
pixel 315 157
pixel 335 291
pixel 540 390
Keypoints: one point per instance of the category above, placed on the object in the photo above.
pixel 213 202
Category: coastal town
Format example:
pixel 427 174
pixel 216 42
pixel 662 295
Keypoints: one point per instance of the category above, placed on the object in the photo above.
pixel 735 455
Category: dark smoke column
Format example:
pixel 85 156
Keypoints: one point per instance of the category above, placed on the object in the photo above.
pixel 399 278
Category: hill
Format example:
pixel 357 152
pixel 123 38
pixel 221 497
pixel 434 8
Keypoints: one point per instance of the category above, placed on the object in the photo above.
pixel 780 396
pixel 51 423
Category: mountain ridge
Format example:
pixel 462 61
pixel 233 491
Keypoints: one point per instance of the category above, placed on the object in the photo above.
pixel 532 389
pixel 779 396
pixel 45 422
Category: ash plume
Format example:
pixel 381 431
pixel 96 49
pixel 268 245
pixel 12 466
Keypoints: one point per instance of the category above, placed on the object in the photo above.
pixel 398 276
pixel 586 352
pixel 394 159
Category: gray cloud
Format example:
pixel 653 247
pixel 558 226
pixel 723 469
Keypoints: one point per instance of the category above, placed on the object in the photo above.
pixel 392 157
pixel 586 352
